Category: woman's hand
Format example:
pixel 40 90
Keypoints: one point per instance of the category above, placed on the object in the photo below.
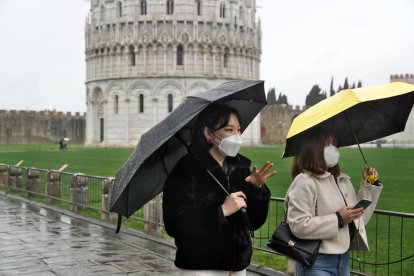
pixel 259 177
pixel 348 214
pixel 233 203
pixel 369 171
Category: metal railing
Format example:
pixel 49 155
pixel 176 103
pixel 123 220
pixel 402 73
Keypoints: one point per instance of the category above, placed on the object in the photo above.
pixel 390 234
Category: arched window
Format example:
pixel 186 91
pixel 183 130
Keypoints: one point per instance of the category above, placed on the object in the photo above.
pixel 143 7
pixel 198 4
pixel 116 104
pixel 102 12
pixel 131 56
pixel 170 6
pixel 180 55
pixel 241 13
pixel 141 103
pixel 222 10
pixel 170 102
pixel 226 58
pixel 119 9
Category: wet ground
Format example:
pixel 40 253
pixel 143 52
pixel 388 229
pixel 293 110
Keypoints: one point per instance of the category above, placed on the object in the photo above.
pixel 38 240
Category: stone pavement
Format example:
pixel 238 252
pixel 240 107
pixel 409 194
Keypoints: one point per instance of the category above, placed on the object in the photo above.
pixel 39 240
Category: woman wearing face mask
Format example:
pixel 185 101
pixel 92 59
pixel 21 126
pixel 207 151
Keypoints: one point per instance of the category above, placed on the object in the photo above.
pixel 320 204
pixel 212 229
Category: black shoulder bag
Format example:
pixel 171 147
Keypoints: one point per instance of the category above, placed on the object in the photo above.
pixel 284 242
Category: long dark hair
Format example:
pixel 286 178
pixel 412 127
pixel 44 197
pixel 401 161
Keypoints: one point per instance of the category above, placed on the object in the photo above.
pixel 310 155
pixel 214 117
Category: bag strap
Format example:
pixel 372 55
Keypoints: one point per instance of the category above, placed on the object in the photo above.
pixel 337 185
pixel 286 207
pixel 287 201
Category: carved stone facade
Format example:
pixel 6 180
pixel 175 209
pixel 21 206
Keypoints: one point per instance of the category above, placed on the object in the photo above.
pixel 144 57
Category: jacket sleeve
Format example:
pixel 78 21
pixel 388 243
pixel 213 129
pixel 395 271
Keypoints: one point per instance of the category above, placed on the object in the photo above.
pixel 371 192
pixel 301 198
pixel 183 215
pixel 257 204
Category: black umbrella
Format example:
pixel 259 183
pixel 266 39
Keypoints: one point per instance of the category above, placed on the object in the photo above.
pixel 143 175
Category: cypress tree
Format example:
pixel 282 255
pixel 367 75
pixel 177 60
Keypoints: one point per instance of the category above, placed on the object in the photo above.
pixel 271 96
pixel 331 91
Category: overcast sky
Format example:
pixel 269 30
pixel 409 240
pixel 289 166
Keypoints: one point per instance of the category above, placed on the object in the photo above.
pixel 304 42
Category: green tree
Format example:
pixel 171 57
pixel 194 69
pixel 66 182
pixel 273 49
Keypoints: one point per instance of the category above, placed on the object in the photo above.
pixel 346 85
pixel 359 84
pixel 331 90
pixel 315 96
pixel 282 99
pixel 353 85
pixel 271 96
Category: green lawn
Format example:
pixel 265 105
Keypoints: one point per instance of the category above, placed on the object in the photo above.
pixel 88 160
pixel 395 166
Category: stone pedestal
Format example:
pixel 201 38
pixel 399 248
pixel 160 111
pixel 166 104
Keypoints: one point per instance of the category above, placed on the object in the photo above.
pixel 78 191
pixel 15 178
pixel 153 216
pixel 33 184
pixel 3 174
pixel 106 198
pixel 53 184
pixel 291 267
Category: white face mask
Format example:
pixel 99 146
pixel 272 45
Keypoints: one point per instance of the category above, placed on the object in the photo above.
pixel 230 146
pixel 331 154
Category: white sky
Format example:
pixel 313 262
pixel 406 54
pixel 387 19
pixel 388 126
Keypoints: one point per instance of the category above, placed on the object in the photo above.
pixel 304 42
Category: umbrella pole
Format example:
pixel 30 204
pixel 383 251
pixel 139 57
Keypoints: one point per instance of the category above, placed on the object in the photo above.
pixel 363 156
pixel 356 139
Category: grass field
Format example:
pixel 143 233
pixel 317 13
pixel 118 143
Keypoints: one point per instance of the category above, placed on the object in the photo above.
pixel 396 168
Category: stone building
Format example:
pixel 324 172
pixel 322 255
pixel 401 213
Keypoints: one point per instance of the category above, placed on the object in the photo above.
pixel 405 138
pixel 144 57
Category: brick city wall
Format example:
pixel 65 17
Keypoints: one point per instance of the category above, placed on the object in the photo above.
pixel 275 122
pixel 23 127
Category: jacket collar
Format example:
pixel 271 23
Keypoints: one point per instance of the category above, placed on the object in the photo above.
pixel 328 174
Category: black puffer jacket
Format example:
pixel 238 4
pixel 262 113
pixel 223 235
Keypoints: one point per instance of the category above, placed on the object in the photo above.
pixel 205 239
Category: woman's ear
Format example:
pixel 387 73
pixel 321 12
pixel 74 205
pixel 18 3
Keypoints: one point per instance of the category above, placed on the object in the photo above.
pixel 206 132
pixel 207 135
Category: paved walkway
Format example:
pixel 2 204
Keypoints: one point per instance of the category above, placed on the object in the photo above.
pixel 41 241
